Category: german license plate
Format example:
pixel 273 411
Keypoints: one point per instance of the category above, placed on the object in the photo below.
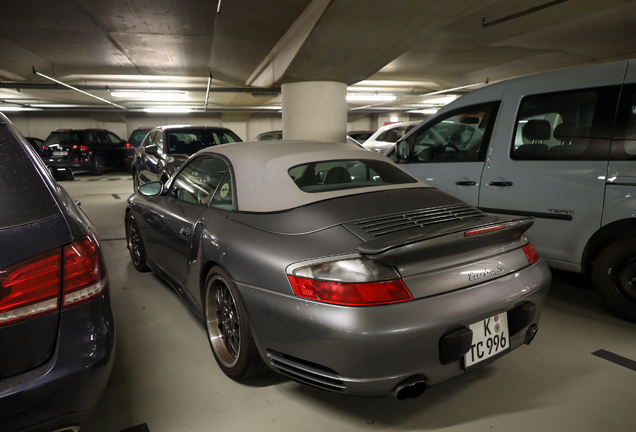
pixel 490 337
pixel 60 153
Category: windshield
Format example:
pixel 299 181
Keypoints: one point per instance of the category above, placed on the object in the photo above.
pixel 190 141
pixel 346 174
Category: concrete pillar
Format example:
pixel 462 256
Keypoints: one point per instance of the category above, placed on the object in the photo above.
pixel 315 110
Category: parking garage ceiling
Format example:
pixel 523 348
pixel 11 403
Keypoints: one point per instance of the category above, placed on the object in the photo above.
pixel 250 48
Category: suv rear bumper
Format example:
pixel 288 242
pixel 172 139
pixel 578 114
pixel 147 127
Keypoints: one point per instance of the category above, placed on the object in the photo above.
pixel 66 163
pixel 64 391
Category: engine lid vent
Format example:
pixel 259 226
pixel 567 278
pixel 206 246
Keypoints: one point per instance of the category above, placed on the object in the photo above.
pixel 392 223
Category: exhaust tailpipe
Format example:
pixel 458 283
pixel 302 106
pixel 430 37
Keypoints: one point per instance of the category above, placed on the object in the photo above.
pixel 411 387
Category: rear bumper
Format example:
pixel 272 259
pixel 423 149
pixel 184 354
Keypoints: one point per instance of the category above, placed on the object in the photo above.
pixel 68 163
pixel 64 391
pixel 367 351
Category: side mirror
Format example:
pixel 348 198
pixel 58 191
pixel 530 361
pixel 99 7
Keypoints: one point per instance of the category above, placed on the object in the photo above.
pixel 402 151
pixel 151 189
pixel 61 174
pixel 151 149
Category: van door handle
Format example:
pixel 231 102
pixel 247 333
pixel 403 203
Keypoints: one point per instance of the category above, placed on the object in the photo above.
pixel 465 183
pixel 500 183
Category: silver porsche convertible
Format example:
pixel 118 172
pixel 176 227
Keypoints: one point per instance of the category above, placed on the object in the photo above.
pixel 334 267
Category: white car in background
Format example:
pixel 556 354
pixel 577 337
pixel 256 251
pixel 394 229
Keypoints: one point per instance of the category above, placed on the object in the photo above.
pixel 384 138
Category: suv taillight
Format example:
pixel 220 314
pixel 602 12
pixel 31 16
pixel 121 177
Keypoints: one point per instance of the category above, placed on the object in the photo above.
pixel 129 146
pixel 33 287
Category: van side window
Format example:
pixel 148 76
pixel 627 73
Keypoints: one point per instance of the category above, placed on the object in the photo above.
pixel 460 136
pixel 624 144
pixel 574 125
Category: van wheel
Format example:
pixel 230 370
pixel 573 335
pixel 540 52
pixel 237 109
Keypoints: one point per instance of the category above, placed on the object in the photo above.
pixel 614 277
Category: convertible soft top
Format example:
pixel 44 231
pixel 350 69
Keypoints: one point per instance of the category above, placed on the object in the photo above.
pixel 261 174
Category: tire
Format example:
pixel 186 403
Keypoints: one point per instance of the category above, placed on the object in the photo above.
pixel 99 165
pixel 136 245
pixel 228 329
pixel 614 278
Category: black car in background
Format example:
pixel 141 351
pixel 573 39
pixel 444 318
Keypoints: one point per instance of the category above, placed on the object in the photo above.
pixel 88 149
pixel 57 332
pixel 134 141
pixel 165 148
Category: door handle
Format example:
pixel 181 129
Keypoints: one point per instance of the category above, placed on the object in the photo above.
pixel 465 183
pixel 185 233
pixel 500 183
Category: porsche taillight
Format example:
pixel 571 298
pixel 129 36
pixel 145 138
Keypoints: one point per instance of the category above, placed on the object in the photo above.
pixel 352 282
pixel 58 279
pixel 531 253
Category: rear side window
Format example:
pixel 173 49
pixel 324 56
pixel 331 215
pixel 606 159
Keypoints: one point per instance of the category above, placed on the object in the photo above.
pixel 346 174
pixel 24 198
pixel 113 138
pixel 574 125
pixel 459 136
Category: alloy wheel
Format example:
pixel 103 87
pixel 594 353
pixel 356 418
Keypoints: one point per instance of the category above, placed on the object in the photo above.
pixel 223 322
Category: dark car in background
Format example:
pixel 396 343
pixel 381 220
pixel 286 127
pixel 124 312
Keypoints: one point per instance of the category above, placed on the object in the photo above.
pixel 87 149
pixel 134 141
pixel 57 331
pixel 165 148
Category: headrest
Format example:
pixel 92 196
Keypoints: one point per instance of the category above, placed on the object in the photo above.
pixel 566 132
pixel 537 130
pixel 338 175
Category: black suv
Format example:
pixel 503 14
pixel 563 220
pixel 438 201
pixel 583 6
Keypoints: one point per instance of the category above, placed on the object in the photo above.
pixel 165 148
pixel 56 324
pixel 89 149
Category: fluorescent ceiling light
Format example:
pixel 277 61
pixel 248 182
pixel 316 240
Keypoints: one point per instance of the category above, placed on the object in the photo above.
pixel 424 111
pixel 18 108
pixel 151 94
pixel 391 83
pixel 353 97
pixel 168 110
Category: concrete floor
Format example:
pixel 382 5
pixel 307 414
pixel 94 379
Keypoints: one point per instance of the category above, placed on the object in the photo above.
pixel 165 378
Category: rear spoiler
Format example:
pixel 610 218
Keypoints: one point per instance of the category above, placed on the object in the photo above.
pixel 484 231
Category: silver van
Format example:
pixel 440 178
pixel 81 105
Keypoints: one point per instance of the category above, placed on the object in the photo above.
pixel 559 146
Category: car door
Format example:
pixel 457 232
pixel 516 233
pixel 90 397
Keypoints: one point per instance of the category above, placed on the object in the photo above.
pixel 172 217
pixel 549 158
pixel 620 196
pixel 116 149
pixel 449 153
